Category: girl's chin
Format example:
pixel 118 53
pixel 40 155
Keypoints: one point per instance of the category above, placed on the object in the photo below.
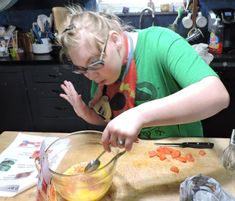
pixel 102 82
pixel 106 82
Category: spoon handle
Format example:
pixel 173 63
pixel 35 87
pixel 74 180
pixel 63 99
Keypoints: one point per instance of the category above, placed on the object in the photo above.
pixel 117 156
pixel 100 154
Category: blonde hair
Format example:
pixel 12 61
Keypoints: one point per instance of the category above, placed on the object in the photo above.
pixel 89 27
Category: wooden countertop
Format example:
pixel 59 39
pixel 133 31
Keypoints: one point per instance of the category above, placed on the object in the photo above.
pixel 140 178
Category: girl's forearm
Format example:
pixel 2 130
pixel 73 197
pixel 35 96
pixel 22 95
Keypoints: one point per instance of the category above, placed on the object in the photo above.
pixel 193 103
pixel 93 118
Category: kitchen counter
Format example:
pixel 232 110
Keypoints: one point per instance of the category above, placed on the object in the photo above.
pixel 223 61
pixel 30 58
pixel 140 178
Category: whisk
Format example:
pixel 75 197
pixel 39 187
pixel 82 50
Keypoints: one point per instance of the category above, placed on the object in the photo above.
pixel 228 156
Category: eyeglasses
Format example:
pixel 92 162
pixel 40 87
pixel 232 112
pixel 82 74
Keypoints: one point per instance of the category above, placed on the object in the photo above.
pixel 94 65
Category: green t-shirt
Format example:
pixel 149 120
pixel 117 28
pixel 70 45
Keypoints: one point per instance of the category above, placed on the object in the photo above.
pixel 165 64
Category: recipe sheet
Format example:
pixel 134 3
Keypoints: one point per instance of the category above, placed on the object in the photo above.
pixel 17 164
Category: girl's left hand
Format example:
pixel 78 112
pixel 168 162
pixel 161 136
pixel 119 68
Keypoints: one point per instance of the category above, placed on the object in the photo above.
pixel 70 94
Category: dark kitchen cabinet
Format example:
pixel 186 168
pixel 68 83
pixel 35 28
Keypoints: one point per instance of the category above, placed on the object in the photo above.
pixel 49 111
pixel 30 98
pixel 15 113
pixel 221 124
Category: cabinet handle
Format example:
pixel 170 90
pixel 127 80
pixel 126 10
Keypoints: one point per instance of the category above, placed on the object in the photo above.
pixel 57 91
pixel 55 75
pixel 61 108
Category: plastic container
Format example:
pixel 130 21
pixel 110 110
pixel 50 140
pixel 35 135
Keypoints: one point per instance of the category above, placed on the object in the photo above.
pixel 216 37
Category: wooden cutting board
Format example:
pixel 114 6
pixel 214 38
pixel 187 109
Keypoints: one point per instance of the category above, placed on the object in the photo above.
pixel 139 177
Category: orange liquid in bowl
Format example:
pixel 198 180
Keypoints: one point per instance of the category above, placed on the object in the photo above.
pixel 85 187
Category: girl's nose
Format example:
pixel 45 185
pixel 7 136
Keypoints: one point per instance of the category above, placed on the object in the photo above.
pixel 91 75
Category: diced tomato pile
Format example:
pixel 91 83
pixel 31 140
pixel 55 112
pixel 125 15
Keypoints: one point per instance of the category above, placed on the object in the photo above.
pixel 164 152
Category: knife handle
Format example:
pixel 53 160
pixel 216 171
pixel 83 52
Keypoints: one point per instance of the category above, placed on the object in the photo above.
pixel 198 145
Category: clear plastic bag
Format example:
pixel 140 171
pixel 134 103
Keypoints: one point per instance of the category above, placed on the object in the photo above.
pixel 203 51
pixel 198 188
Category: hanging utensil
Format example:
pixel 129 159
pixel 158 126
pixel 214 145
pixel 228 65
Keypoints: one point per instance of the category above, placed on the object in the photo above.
pixel 194 16
pixel 174 25
pixel 197 145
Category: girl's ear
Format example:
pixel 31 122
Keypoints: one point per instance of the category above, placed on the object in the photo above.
pixel 116 38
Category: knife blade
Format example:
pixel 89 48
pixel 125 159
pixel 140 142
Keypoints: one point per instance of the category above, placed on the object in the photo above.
pixel 197 145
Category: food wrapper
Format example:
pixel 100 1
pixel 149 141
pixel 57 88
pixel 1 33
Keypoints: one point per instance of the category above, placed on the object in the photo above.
pixel 202 50
pixel 198 188
pixel 45 188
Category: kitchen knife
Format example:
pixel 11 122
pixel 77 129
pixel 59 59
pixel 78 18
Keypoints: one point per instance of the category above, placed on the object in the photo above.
pixel 197 145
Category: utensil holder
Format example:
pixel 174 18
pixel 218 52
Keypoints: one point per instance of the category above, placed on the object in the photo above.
pixel 43 48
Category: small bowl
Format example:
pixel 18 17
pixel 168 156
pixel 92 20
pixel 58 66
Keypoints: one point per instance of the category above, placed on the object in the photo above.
pixel 67 159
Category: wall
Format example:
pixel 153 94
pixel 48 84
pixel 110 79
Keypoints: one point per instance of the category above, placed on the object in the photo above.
pixel 25 12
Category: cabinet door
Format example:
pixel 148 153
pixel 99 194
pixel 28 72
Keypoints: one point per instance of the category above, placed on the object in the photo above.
pixel 221 124
pixel 14 105
pixel 50 111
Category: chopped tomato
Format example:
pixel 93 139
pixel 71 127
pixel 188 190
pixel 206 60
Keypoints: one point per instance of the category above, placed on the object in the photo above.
pixel 175 153
pixel 202 152
pixel 152 153
pixel 182 159
pixel 175 169
pixel 165 150
pixel 162 157
pixel 189 157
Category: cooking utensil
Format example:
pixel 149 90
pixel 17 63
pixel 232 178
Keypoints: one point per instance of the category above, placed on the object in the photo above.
pixel 48 31
pixel 197 145
pixel 94 164
pixel 228 156
pixel 174 25
pixel 194 16
pixel 41 20
pixel 37 33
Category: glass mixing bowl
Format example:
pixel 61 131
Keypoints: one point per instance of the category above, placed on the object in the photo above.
pixel 67 158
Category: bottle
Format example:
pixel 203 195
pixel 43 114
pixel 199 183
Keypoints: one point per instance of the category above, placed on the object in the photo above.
pixel 216 37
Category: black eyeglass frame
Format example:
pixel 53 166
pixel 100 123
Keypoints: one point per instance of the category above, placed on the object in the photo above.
pixel 94 65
